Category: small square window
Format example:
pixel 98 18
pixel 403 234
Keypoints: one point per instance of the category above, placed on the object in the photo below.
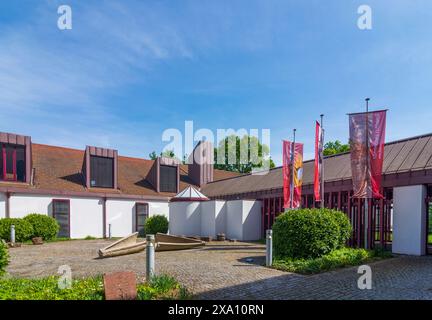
pixel 101 172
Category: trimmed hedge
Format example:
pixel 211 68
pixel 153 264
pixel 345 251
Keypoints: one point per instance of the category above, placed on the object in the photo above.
pixel 4 257
pixel 23 229
pixel 155 224
pixel 309 233
pixel 43 226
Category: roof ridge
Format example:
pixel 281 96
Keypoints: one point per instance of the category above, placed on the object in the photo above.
pixel 56 147
pixel 334 155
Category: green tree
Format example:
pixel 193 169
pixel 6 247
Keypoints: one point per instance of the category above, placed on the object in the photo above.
pixel 335 147
pixel 153 155
pixel 166 154
pixel 241 154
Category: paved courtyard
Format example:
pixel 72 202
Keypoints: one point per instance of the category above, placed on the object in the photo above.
pixel 225 271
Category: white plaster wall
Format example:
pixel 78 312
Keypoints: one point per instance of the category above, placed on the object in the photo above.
pixel 121 215
pixel 234 219
pixel 409 220
pixel 21 205
pixel 184 218
pixel 158 208
pixel 213 218
pixel 208 218
pixel 85 213
pixel 2 205
pixel 221 216
pixel 251 220
pixel 86 218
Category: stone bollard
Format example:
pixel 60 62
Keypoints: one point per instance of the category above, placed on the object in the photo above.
pixel 150 256
pixel 269 248
pixel 12 234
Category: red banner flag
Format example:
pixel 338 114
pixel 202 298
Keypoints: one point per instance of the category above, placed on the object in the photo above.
pixel 367 158
pixel 318 161
pixel 298 173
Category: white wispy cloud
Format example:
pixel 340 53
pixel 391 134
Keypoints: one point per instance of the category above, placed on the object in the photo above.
pixel 57 84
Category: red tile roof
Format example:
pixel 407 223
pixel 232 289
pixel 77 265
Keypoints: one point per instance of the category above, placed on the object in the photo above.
pixel 59 169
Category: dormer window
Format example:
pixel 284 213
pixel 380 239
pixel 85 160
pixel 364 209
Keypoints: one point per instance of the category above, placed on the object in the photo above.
pixel 164 175
pixel 12 162
pixel 101 172
pixel 168 178
pixel 100 168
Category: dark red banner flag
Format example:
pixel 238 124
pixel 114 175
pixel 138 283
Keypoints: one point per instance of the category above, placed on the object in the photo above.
pixel 297 182
pixel 318 161
pixel 367 138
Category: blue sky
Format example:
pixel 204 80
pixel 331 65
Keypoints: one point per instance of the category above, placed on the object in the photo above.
pixel 128 70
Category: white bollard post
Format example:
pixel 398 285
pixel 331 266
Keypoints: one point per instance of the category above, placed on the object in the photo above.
pixel 109 231
pixel 269 248
pixel 150 256
pixel 12 234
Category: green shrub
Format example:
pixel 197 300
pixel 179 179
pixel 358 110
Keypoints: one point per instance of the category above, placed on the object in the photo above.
pixel 305 233
pixel 336 259
pixel 43 226
pixel 155 224
pixel 345 228
pixel 23 229
pixel 4 257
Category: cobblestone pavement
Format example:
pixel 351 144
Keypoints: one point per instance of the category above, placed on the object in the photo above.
pixel 224 271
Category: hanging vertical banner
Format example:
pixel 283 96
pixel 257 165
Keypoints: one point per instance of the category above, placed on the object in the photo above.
pixel 318 161
pixel 367 152
pixel 298 173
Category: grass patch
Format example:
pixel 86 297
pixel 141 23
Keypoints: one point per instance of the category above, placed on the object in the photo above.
pixel 161 287
pixel 62 239
pixel 339 258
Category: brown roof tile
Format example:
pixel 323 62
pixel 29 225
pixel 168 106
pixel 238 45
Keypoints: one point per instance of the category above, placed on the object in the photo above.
pixel 60 169
pixel 400 156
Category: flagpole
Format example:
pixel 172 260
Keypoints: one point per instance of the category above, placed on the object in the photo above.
pixel 292 169
pixel 322 164
pixel 366 219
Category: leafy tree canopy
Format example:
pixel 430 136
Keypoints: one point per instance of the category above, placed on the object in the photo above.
pixel 166 154
pixel 241 154
pixel 335 147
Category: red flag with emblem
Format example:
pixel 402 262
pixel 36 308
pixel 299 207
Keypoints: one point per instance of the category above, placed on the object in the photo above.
pixel 367 138
pixel 297 181
pixel 318 161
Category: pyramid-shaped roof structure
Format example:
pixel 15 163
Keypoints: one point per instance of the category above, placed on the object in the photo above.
pixel 190 194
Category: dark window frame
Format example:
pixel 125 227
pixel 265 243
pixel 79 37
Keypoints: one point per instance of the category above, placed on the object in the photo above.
pixel 174 169
pixel 137 204
pixel 69 212
pixel 92 169
pixel 4 174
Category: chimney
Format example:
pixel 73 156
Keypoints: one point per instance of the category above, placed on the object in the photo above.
pixel 200 167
